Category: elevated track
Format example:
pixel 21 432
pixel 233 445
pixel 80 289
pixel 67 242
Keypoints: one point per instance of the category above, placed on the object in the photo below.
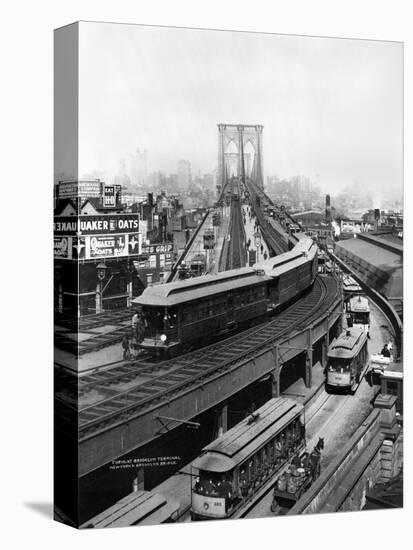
pixel 278 241
pixel 190 384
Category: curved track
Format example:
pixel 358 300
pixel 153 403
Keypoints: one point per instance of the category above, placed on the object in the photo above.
pixel 165 380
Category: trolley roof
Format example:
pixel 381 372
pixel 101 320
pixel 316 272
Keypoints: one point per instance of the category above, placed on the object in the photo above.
pixel 242 440
pixel 348 344
pixel 359 304
pixel 171 294
pixel 351 284
pixel 140 507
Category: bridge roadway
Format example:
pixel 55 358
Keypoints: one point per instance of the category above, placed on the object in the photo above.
pixel 277 238
pixel 233 252
pixel 116 417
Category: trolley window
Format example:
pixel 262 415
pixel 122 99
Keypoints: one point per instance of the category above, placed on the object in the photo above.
pixel 339 365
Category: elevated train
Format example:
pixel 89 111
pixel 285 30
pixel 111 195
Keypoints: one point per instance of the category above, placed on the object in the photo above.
pixel 190 313
pixel 236 468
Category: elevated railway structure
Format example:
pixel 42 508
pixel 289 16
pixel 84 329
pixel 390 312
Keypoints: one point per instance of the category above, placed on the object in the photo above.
pixel 206 224
pixel 382 303
pixel 233 254
pixel 113 421
pixel 279 240
pixel 378 263
pixel 111 317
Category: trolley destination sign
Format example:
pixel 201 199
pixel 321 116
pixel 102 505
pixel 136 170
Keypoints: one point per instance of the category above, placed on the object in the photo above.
pixel 96 225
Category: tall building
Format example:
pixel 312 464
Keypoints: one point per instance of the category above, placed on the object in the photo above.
pixel 184 174
pixel 139 167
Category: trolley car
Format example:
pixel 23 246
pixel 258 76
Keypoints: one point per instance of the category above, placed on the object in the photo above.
pixel 359 311
pixel 347 360
pixel 137 508
pixel 350 287
pixel 234 468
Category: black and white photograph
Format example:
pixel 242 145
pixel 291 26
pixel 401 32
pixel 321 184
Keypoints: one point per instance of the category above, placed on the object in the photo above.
pixel 205 276
pixel 228 275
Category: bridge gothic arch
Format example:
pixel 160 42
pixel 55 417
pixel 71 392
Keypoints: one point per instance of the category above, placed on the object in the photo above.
pixel 240 152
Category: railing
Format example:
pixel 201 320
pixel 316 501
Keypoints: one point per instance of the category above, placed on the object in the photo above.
pixel 381 302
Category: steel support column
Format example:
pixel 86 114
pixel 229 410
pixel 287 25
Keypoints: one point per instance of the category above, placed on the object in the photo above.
pixel 309 359
pixel 325 345
pixel 223 420
pixel 275 375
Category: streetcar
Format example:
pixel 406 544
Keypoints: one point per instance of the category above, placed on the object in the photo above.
pixel 137 508
pixel 347 360
pixel 359 310
pixel 350 287
pixel 235 468
pixel 192 312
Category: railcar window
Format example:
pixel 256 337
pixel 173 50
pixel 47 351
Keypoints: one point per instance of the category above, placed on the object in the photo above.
pixel 392 388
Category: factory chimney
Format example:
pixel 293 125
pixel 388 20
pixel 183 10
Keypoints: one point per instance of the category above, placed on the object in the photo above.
pixel 328 209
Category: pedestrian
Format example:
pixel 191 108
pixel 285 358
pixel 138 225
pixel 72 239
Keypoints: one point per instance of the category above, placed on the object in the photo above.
pixel 385 351
pixel 135 322
pixel 125 346
pixel 265 256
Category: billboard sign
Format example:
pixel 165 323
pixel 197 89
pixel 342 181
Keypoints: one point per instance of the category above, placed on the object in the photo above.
pixel 109 196
pixel 63 247
pixel 157 248
pixel 106 246
pixel 79 189
pixel 96 225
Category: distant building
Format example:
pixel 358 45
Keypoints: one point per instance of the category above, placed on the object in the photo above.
pixel 184 174
pixel 139 167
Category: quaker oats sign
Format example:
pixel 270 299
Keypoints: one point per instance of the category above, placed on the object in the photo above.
pixel 106 246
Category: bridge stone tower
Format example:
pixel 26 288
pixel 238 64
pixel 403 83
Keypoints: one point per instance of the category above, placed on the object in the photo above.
pixel 240 152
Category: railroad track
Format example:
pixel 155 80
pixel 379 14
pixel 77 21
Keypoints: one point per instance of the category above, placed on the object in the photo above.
pixel 96 341
pixel 96 320
pixel 172 377
pixel 274 240
pixel 235 257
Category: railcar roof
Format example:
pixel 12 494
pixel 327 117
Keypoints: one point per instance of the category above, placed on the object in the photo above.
pixel 304 250
pixel 135 508
pixel 171 294
pixel 241 441
pixel 359 303
pixel 347 345
pixel 350 282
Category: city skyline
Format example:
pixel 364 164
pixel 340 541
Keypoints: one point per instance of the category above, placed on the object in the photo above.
pixel 331 109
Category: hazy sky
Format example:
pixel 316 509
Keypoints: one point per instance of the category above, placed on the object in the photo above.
pixel 331 108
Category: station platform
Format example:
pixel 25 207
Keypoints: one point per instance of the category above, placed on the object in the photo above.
pixel 250 232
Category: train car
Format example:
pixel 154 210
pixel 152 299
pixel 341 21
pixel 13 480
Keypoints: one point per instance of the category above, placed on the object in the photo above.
pixel 359 310
pixel 137 508
pixel 347 361
pixel 351 287
pixel 239 465
pixel 193 312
